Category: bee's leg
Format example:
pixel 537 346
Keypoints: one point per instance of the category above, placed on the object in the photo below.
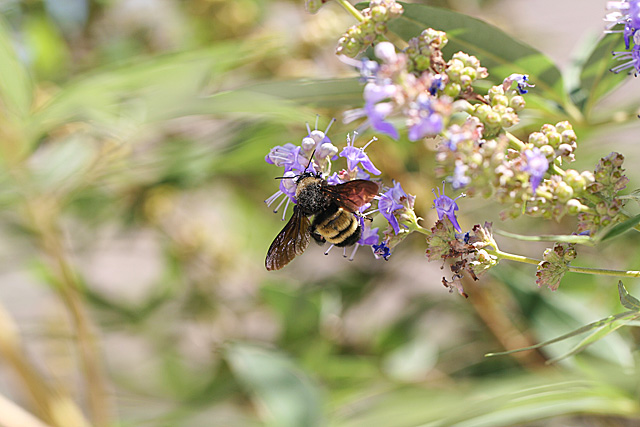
pixel 360 215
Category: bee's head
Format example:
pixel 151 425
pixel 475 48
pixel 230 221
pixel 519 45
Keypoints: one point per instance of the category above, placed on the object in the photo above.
pixel 307 175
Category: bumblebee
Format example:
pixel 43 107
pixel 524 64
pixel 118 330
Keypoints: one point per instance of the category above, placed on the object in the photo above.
pixel 334 220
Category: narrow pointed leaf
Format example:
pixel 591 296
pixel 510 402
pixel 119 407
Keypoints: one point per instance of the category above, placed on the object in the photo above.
pixel 586 328
pixel 621 228
pixel 332 93
pixel 627 300
pixel 596 79
pixel 499 52
pixel 596 336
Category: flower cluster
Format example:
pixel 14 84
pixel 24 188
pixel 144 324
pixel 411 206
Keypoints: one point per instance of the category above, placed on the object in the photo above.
pixel 371 29
pixel 316 154
pixel 554 264
pixel 608 179
pixel 467 251
pixel 627 14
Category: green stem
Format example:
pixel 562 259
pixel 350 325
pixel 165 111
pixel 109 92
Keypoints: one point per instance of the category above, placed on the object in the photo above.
pixel 422 230
pixel 584 270
pixel 352 10
pixel 514 140
pixel 513 257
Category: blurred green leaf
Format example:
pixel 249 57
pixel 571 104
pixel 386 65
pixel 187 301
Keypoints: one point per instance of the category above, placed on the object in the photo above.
pixel 250 103
pixel 48 47
pixel 505 402
pixel 619 229
pixel 627 300
pixel 496 50
pixel 586 328
pixel 299 313
pixel 158 89
pixel 285 395
pixel 605 330
pixel 332 93
pixel 15 84
pixel 596 79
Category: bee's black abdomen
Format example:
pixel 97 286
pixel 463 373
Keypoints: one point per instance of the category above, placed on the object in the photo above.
pixel 352 239
pixel 337 226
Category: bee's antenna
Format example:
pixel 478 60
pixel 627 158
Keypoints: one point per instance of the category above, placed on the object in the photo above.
pixel 286 177
pixel 310 161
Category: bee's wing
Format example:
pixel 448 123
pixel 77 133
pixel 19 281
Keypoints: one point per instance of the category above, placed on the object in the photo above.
pixel 292 241
pixel 352 194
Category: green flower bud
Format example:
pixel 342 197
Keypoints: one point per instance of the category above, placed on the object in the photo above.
pixel 547 151
pixel 482 111
pixel 470 72
pixel 546 128
pixel 562 126
pixel 380 28
pixel 574 207
pixel 575 180
pixel 569 136
pixel 379 13
pixel 564 192
pixel 493 118
pixel 500 100
pixel 422 62
pixel 554 138
pixel 452 89
pixel 508 120
pixel 538 139
pixel 517 103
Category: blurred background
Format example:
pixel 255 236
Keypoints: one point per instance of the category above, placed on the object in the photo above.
pixel 133 234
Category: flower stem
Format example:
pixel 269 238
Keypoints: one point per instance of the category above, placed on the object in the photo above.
pixel 352 10
pixel 514 140
pixel 584 270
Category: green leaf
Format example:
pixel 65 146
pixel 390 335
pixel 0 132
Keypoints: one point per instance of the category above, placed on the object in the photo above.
pixel 160 88
pixel 594 325
pixel 621 228
pixel 250 103
pixel 596 80
pixel 627 300
pixel 15 82
pixel 496 50
pixel 596 336
pixel 583 240
pixel 284 393
pixel 332 93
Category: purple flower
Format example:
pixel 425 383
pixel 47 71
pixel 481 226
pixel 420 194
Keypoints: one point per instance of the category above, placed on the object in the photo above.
pixel 634 60
pixel 425 120
pixel 386 52
pixel 436 84
pixel 374 92
pixel 334 179
pixel 626 13
pixel 445 205
pixel 522 81
pixel 357 156
pixel 288 189
pixel 459 179
pixel 382 250
pixel 377 114
pixel 392 200
pixel 369 235
pixel 536 166
pixel 287 155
